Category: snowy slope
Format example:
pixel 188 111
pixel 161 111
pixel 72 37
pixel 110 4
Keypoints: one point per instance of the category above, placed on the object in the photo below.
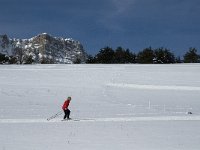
pixel 141 107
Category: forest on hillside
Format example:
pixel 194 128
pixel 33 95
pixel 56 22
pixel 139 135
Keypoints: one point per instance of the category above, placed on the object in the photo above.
pixel 147 56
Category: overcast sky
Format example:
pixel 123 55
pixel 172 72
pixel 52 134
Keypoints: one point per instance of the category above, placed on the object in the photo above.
pixel 133 24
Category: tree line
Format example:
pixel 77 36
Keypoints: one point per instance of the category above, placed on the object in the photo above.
pixel 120 55
pixel 147 56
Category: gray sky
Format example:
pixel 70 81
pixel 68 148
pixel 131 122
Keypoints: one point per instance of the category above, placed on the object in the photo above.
pixel 133 24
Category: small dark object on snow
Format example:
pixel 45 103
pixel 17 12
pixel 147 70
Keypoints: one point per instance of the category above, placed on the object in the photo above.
pixel 189 113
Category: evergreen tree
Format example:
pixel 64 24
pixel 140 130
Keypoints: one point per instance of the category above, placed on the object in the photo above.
pixel 46 60
pixel 20 54
pixel 28 59
pixel 146 56
pixel 3 58
pixel 78 61
pixel 130 57
pixel 13 60
pixel 105 56
pixel 163 56
pixel 90 59
pixel 120 56
pixel 191 56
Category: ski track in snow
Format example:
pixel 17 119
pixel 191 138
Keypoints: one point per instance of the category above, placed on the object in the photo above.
pixel 125 119
pixel 153 87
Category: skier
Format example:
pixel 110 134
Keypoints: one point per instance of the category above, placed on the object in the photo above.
pixel 65 108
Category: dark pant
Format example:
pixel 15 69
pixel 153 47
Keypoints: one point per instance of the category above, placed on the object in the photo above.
pixel 67 113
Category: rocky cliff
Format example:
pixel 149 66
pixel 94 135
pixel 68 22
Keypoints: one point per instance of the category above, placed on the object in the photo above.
pixel 43 48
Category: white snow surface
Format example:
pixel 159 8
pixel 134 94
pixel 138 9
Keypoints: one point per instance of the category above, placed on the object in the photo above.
pixel 120 107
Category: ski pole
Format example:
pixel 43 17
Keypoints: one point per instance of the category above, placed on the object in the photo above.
pixel 54 116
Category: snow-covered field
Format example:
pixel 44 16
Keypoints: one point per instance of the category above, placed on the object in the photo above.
pixel 141 107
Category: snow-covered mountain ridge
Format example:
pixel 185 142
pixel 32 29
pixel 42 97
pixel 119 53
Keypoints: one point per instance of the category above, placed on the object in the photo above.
pixel 44 47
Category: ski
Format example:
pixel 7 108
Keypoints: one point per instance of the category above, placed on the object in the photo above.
pixel 70 120
pixel 75 119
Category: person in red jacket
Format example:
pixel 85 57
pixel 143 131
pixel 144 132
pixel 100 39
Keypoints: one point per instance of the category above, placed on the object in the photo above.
pixel 65 108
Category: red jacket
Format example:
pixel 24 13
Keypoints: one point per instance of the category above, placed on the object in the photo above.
pixel 66 104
